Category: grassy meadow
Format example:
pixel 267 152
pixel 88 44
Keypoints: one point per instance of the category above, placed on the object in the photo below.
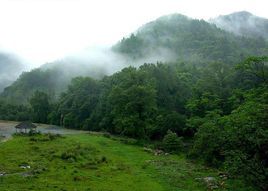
pixel 94 162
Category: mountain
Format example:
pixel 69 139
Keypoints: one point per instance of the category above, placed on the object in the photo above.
pixel 244 24
pixel 10 68
pixel 177 37
pixel 53 78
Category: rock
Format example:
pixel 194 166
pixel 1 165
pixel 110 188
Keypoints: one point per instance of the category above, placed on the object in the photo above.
pixel 158 152
pixel 211 182
pixel 2 173
pixel 25 166
pixel 223 176
pixel 209 179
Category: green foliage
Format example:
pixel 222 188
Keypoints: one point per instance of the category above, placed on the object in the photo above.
pixel 78 103
pixel 171 142
pixel 209 140
pixel 133 101
pixel 247 136
pixel 40 107
pixel 131 46
pixel 14 112
pixel 238 140
pixel 254 71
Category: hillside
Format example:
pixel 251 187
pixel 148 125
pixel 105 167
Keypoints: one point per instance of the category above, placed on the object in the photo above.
pixel 92 162
pixel 244 24
pixel 177 37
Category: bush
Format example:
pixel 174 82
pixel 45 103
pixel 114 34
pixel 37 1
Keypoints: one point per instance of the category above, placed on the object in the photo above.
pixel 208 144
pixel 171 142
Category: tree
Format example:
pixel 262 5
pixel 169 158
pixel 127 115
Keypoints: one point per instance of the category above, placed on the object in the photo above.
pixel 133 100
pixel 246 149
pixel 171 142
pixel 254 70
pixel 79 102
pixel 40 107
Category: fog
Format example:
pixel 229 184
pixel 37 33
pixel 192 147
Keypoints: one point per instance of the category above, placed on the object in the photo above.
pixel 78 34
pixel 243 24
pixel 10 68
pixel 99 61
pixel 46 30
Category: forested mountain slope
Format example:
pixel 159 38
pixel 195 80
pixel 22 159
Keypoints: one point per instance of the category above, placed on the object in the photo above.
pixel 177 37
pixel 53 78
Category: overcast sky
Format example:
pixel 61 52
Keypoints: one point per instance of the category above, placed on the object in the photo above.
pixel 44 30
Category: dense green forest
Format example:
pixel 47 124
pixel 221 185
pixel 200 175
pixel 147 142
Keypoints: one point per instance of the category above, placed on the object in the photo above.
pixel 223 108
pixel 209 98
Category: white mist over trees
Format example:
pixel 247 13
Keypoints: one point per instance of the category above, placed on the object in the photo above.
pixel 243 24
pixel 171 38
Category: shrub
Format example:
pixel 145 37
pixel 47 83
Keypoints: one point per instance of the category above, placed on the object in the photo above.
pixel 171 142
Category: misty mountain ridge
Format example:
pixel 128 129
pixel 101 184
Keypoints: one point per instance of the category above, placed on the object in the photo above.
pixel 54 77
pixel 244 24
pixel 187 39
pixel 170 38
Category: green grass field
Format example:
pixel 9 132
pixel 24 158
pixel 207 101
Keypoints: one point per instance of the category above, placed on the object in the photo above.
pixel 93 162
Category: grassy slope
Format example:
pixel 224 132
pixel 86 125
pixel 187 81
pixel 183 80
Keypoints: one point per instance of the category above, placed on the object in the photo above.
pixel 87 162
